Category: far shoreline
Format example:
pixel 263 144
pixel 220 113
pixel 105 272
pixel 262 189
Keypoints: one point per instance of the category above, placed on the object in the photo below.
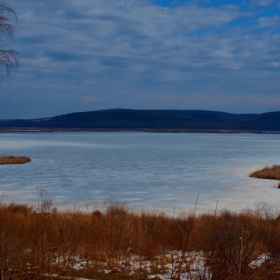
pixel 168 130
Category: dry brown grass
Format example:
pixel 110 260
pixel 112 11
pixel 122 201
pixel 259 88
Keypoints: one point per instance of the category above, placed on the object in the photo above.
pixel 267 172
pixel 14 159
pixel 109 238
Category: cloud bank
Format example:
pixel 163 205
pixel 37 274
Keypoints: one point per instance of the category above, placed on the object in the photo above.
pixel 97 54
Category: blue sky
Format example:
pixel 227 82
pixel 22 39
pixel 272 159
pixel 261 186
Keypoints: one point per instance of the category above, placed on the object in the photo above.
pixel 83 55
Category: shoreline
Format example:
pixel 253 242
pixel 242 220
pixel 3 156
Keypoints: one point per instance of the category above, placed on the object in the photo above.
pixel 171 130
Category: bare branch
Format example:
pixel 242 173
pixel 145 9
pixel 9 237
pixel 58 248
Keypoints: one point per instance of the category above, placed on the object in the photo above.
pixel 8 57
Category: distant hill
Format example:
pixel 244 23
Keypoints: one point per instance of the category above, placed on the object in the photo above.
pixel 125 119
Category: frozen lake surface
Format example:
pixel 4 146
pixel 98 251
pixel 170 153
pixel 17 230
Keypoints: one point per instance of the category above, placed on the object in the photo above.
pixel 151 170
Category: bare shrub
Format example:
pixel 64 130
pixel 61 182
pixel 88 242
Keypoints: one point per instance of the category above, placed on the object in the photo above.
pixel 267 172
pixel 38 241
pixel 14 160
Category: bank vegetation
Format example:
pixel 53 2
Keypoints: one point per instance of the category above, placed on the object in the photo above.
pixel 267 172
pixel 115 242
pixel 14 160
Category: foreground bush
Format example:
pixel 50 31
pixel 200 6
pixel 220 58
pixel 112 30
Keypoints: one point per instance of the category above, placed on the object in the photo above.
pixel 117 243
pixel 14 160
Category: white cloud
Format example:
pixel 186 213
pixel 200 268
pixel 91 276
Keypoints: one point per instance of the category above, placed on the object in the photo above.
pixel 262 2
pixel 124 50
pixel 276 64
pixel 90 99
pixel 265 22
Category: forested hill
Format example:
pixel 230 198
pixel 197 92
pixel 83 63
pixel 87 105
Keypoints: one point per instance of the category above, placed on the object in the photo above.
pixel 125 119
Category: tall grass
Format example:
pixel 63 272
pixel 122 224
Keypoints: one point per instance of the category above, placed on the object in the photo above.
pixel 267 172
pixel 14 159
pixel 40 241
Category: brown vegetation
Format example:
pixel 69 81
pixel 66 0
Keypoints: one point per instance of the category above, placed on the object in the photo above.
pixel 36 242
pixel 267 172
pixel 13 160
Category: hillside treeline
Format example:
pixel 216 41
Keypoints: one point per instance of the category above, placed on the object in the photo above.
pixel 152 120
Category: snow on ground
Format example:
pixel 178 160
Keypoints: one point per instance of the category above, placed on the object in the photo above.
pixel 259 261
pixel 170 265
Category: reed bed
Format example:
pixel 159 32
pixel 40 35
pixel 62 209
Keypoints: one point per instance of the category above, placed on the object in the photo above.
pixel 116 242
pixel 267 172
pixel 14 160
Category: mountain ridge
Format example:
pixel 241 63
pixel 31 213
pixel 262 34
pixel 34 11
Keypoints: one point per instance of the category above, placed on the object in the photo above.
pixel 131 119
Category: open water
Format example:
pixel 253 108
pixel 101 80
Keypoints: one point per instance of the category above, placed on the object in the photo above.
pixel 159 171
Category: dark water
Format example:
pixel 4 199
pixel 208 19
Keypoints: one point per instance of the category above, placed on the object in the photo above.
pixel 154 170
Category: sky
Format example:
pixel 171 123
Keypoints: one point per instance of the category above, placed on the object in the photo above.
pixel 85 55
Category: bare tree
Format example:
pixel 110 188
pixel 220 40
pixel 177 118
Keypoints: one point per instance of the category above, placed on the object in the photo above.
pixel 8 57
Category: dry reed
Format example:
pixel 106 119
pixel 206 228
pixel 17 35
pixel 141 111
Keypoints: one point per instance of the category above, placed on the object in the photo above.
pixel 267 172
pixel 14 160
pixel 43 240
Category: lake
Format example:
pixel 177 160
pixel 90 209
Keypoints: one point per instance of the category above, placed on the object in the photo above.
pixel 154 171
